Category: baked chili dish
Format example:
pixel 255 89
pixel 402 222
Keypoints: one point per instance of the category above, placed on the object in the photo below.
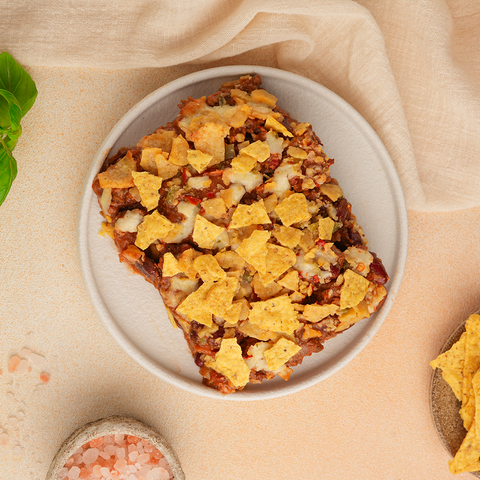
pixel 230 212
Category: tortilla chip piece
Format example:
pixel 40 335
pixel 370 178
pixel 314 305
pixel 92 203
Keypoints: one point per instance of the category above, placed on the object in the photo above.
pixel 210 139
pixel 154 227
pixel 290 280
pixel 300 128
pixel 161 139
pixel 243 163
pixel 265 291
pixel 467 457
pixel 208 268
pixel 237 116
pixel 270 202
pixel 165 169
pixel 185 263
pixel 198 160
pixel 172 319
pixel 238 311
pixel 281 353
pixel 471 365
pixel 332 191
pixel 194 306
pixel 254 250
pixel 170 265
pixel 230 363
pixel 293 209
pixel 279 260
pixel 272 124
pixel 215 207
pixel 262 96
pixel 148 186
pixel 275 314
pixel 258 150
pixel 178 153
pixel 315 313
pixel 296 152
pixel 147 161
pixel 452 363
pixel 120 174
pixel 246 215
pixel 287 236
pixel 325 228
pixel 353 290
pixel 230 260
pixel 251 330
pixel 219 297
pixel 205 233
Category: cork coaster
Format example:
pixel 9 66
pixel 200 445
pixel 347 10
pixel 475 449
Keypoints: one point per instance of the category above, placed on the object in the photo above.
pixel 445 406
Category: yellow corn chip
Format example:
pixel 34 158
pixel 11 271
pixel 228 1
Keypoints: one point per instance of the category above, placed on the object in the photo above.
pixel 198 160
pixel 165 169
pixel 262 96
pixel 120 174
pixel 208 268
pixel 300 128
pixel 270 203
pixel 471 365
pixel 315 313
pixel 147 161
pixel 296 152
pixel 275 314
pixel 452 363
pixel 219 297
pixel 154 227
pixel 279 260
pixel 238 311
pixel 178 153
pixel 290 280
pixel 254 250
pixel 325 228
pixel 353 290
pixel 205 233
pixel 171 318
pixel 332 191
pixel 246 215
pixel 230 363
pixel 237 116
pixel 185 263
pixel 215 207
pixel 243 163
pixel 258 150
pixel 273 124
pixel 467 458
pixel 170 265
pixel 194 306
pixel 287 236
pixel 251 330
pixel 160 139
pixel 230 260
pixel 265 291
pixel 293 209
pixel 210 139
pixel 148 186
pixel 281 353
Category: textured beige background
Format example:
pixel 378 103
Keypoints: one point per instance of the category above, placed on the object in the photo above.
pixel 370 420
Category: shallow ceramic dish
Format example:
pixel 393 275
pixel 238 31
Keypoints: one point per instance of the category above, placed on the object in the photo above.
pixel 133 311
pixel 111 426
pixel 445 406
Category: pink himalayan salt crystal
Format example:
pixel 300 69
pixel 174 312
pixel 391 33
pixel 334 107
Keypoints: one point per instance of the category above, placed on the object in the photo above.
pixel 73 473
pixel 90 456
pixel 143 464
pixel 44 378
pixel 13 364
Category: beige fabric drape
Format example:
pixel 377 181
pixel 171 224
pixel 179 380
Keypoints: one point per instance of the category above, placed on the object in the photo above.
pixel 410 67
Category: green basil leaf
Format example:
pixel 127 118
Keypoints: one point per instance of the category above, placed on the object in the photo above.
pixel 8 172
pixel 17 81
pixel 14 109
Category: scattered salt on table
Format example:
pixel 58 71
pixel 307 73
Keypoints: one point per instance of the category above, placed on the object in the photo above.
pixel 17 450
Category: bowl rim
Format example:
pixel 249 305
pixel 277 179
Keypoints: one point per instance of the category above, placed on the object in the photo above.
pixel 82 244
pixel 115 424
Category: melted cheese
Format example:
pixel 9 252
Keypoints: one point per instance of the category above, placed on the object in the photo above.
pixel 248 180
pixel 129 222
pixel 282 176
pixel 190 211
pixel 274 142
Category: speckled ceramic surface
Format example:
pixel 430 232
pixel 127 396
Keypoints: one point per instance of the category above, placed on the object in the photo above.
pixel 111 426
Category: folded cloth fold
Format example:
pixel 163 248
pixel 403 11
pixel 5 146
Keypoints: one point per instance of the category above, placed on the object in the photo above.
pixel 410 68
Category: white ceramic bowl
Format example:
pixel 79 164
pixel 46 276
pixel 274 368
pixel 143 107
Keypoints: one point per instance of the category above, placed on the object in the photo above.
pixel 111 426
pixel 132 310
